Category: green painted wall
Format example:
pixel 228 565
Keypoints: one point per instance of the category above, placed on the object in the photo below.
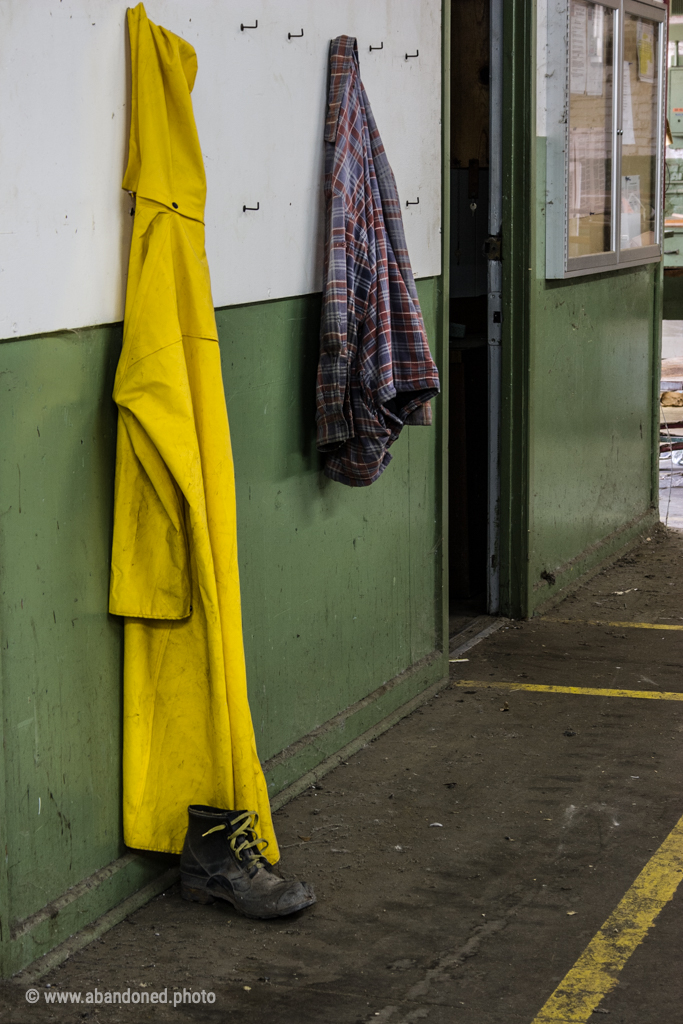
pixel 61 653
pixel 590 421
pixel 341 591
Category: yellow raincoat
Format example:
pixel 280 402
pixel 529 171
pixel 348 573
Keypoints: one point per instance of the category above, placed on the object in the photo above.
pixel 188 735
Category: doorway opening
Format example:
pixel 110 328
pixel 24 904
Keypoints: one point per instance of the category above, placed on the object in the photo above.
pixel 473 422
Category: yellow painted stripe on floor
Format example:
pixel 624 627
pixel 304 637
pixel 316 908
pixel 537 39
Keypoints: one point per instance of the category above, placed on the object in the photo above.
pixel 602 622
pixel 586 691
pixel 593 975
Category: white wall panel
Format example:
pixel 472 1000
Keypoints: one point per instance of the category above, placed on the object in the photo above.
pixel 259 102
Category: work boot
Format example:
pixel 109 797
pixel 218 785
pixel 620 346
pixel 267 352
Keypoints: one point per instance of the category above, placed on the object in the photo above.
pixel 221 860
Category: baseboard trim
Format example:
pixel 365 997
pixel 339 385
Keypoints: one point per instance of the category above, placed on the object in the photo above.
pixel 579 570
pixel 348 729
pixel 338 757
pixel 50 911
pixel 81 938
pixel 356 744
pixel 85 902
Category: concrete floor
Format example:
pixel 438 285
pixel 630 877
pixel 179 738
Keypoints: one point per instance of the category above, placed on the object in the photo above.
pixel 463 860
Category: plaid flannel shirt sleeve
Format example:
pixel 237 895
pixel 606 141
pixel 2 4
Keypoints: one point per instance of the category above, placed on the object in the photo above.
pixel 334 420
pixel 333 368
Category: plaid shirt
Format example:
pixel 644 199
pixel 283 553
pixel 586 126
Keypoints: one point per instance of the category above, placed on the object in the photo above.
pixel 375 371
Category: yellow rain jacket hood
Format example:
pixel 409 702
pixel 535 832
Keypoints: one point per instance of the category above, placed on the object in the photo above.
pixel 188 734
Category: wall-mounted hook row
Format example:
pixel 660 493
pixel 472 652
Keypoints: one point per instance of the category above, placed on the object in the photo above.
pixel 380 47
pixel 416 203
pixel 295 35
pixel 409 55
pixel 243 27
pixel 245 208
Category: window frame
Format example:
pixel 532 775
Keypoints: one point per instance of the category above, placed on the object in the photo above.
pixel 559 264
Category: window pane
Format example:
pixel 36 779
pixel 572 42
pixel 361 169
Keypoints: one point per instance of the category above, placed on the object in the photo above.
pixel 639 139
pixel 590 128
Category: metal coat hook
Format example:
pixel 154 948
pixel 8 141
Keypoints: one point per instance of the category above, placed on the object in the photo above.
pixel 416 203
pixel 242 27
pixel 295 35
pixel 380 47
pixel 409 55
pixel 245 208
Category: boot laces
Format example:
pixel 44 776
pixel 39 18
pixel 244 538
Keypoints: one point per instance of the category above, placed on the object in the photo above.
pixel 242 828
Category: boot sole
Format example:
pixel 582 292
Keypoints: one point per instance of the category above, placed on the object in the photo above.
pixel 203 896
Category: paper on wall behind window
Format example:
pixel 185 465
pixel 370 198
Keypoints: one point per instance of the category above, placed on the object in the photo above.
pixel 645 45
pixel 577 45
pixel 588 154
pixel 630 212
pixel 595 49
pixel 629 138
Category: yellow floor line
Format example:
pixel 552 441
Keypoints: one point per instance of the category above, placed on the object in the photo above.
pixel 595 972
pixel 602 622
pixel 586 691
